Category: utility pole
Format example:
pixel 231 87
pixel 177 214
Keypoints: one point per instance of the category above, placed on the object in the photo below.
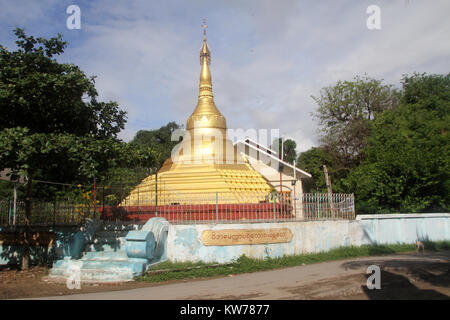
pixel 281 179
pixel 15 202
pixel 94 200
pixel 156 193
pixel 295 182
pixel 330 190
pixel 15 178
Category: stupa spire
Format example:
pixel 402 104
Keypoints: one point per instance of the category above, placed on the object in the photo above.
pixel 205 61
pixel 206 114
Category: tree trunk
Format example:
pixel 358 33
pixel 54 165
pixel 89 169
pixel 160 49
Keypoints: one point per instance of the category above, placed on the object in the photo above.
pixel 27 230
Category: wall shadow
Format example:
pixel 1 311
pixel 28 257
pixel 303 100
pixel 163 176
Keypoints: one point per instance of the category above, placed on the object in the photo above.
pixel 47 244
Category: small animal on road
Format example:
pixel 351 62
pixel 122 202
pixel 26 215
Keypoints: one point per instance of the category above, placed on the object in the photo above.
pixel 419 246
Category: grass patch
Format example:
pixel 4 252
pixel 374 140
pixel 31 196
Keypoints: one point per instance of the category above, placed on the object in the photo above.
pixel 187 270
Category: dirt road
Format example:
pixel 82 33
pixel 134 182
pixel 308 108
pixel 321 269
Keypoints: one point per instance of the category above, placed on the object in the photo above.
pixel 403 276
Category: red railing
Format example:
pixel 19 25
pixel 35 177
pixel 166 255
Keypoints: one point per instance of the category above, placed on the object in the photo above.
pixel 194 213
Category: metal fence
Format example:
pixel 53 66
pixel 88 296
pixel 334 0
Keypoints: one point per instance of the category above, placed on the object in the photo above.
pixel 56 213
pixel 328 206
pixel 185 208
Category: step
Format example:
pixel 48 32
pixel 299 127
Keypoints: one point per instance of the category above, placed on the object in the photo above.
pixel 58 263
pixel 57 271
pixel 60 267
pixel 112 241
pixel 64 263
pixel 114 265
pixel 111 233
pixel 120 227
pixel 94 275
pixel 105 255
pixel 102 247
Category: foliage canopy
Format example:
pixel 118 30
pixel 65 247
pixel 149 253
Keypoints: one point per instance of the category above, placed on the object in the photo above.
pixel 407 161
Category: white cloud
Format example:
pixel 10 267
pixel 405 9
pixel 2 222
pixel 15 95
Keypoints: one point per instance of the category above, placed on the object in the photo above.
pixel 268 57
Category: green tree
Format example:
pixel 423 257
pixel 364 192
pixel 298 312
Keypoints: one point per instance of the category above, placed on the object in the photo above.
pixel 38 93
pixel 289 152
pixel 407 158
pixel 345 112
pixel 312 161
pixel 52 124
pixel 289 146
pixel 159 140
pixel 78 158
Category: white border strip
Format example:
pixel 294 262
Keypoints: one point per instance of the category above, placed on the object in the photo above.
pixel 402 216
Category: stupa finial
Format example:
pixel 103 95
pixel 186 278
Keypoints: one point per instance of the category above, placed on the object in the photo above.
pixel 204 26
pixel 206 110
pixel 205 53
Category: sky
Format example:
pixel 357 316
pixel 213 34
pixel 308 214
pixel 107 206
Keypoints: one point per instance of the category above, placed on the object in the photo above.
pixel 268 57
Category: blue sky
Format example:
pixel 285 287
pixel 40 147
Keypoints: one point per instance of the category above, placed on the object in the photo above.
pixel 268 57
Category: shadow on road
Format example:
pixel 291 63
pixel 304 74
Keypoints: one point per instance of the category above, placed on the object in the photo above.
pixel 397 287
pixel 431 268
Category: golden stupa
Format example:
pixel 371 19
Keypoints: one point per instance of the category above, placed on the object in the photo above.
pixel 205 166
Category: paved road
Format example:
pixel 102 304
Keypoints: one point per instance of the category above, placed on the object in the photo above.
pixel 289 283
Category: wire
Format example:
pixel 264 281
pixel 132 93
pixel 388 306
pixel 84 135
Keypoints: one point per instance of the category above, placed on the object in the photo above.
pixel 98 186
pixel 59 183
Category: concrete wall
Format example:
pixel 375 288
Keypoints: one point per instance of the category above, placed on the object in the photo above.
pixel 405 228
pixel 61 246
pixel 184 242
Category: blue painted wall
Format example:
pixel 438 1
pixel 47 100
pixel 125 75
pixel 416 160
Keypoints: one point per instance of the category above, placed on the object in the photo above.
pixel 184 242
pixel 62 246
